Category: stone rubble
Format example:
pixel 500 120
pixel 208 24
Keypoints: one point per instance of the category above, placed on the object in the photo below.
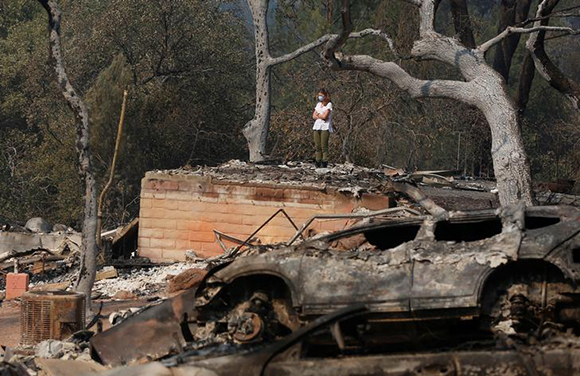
pixel 119 316
pixel 292 173
pixel 136 281
pixel 140 281
pixel 55 349
pixel 27 360
pixel 15 364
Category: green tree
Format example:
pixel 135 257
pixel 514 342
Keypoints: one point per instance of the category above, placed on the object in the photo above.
pixel 189 90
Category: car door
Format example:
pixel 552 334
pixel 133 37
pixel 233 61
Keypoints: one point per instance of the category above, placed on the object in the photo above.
pixel 380 278
pixel 448 270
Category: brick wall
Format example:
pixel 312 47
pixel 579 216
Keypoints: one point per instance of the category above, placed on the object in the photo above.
pixel 180 212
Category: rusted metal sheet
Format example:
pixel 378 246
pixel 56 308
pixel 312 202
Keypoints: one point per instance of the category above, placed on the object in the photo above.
pixel 155 332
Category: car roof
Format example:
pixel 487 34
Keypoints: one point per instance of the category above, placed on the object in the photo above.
pixel 561 211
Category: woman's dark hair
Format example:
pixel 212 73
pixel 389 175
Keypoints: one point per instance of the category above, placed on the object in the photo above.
pixel 325 92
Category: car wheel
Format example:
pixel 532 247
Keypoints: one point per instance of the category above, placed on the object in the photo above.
pixel 525 300
pixel 513 311
pixel 261 318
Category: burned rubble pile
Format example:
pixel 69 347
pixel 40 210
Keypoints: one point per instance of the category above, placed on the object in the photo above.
pixel 291 173
pixel 37 247
pixel 347 174
pixel 134 282
pixel 152 283
pixel 139 282
pixel 415 289
pixel 125 283
pixel 445 187
pixel 470 290
pixel 346 177
pixel 51 261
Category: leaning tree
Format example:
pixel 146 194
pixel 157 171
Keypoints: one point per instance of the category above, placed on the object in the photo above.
pixel 481 86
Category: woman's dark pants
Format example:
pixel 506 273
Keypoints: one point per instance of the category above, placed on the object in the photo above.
pixel 321 145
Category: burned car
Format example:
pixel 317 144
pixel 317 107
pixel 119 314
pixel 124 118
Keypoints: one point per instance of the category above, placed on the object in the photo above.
pixel 512 269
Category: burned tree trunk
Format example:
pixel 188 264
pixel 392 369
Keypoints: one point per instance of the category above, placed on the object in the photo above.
pixel 462 23
pixel 510 162
pixel 256 130
pixel 512 12
pixel 87 272
pixel 544 65
pixel 483 88
pixel 527 73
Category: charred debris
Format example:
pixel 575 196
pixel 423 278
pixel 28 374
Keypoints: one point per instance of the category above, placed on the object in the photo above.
pixel 414 290
pixel 480 291
pixel 50 254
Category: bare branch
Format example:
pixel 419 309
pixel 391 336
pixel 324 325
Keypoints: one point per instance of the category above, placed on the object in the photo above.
pixel 415 87
pixel 564 13
pixel 379 33
pixel 414 2
pixel 556 36
pixel 325 38
pixel 521 30
pixel 302 50
pixel 416 194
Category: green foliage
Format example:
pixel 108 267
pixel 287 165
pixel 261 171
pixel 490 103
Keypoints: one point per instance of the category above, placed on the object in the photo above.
pixel 188 90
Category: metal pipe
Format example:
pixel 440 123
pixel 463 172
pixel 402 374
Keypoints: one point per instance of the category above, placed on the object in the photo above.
pixel 111 173
pixel 235 251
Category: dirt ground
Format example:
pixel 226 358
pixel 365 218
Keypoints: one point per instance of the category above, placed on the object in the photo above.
pixel 10 317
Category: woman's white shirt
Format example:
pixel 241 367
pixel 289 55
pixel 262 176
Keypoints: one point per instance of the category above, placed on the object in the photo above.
pixel 323 125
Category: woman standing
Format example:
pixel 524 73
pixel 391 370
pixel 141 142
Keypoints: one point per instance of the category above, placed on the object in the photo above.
pixel 322 127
